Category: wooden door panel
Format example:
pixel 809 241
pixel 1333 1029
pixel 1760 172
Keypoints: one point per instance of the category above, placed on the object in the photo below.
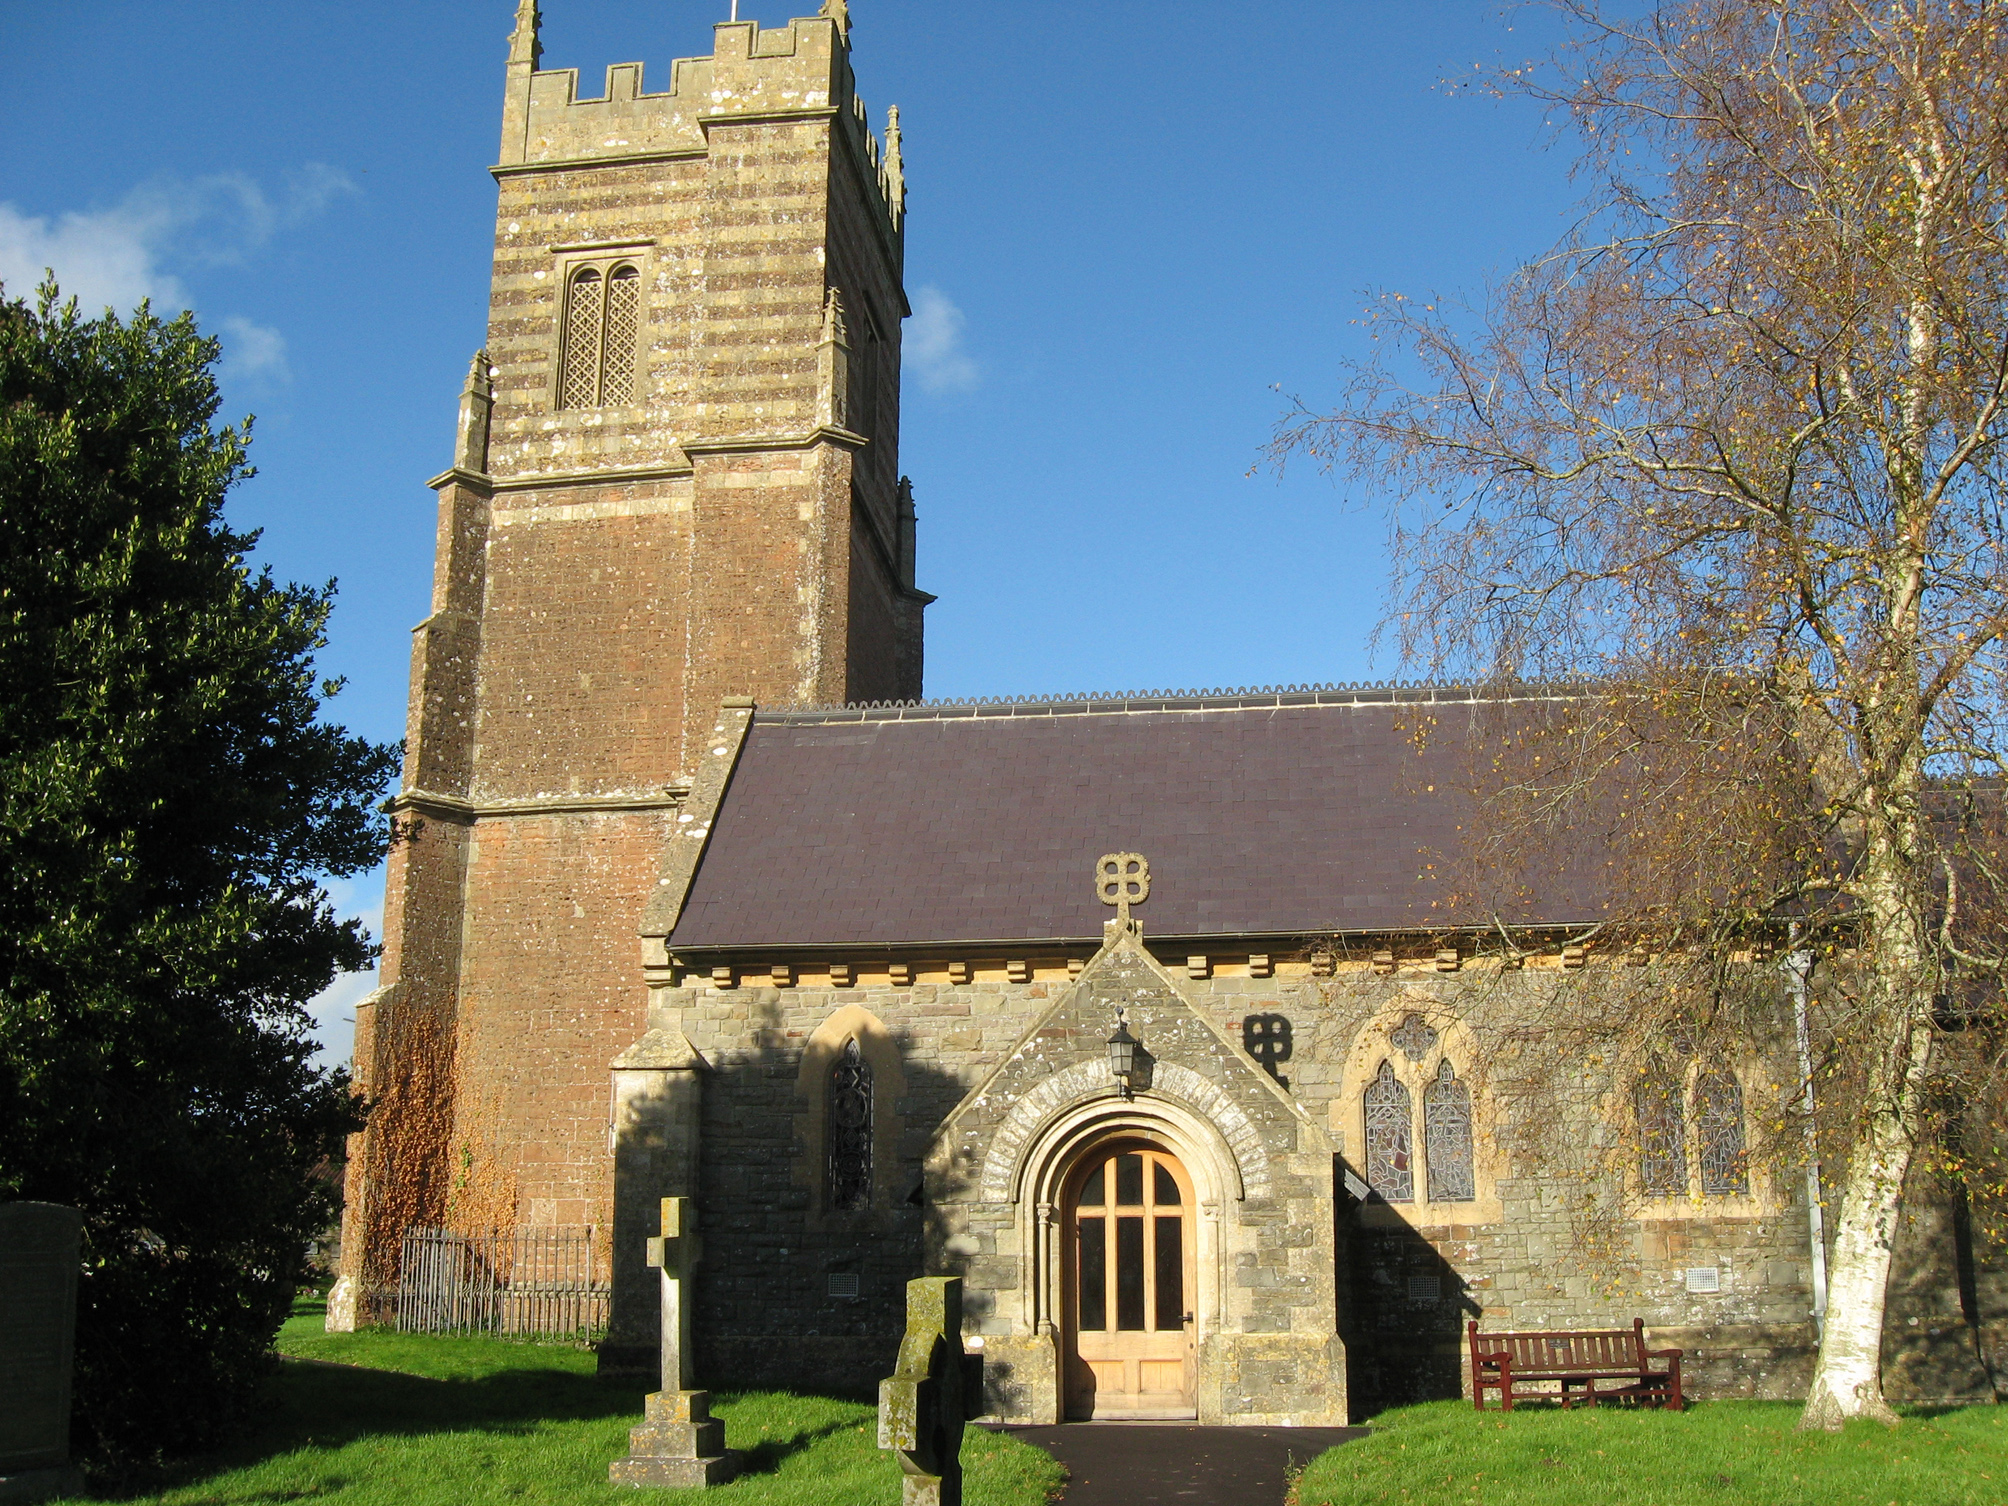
pixel 1129 1328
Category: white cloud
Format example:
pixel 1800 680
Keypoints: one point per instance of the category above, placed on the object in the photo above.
pixel 933 344
pixel 107 259
pixel 252 350
pixel 113 258
pixel 334 1008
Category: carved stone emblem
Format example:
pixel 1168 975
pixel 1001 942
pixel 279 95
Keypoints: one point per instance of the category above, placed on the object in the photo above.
pixel 1413 1036
pixel 1122 879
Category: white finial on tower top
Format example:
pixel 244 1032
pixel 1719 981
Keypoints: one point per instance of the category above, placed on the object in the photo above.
pixel 523 44
pixel 893 174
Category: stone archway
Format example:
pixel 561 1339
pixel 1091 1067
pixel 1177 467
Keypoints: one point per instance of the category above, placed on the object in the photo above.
pixel 1260 1216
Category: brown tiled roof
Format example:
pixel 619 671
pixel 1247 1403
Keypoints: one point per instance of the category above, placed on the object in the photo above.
pixel 1282 815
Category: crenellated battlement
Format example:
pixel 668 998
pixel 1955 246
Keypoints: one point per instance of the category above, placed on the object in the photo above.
pixel 755 74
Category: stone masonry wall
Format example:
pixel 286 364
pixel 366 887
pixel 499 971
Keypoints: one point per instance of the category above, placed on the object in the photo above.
pixel 1405 1278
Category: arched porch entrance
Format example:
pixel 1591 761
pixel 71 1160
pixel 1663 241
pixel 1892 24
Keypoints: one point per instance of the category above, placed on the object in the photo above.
pixel 1129 1247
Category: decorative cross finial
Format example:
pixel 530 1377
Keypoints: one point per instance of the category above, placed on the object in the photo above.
pixel 1122 879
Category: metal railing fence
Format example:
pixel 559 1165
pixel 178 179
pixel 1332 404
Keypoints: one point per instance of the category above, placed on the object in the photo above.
pixel 499 1281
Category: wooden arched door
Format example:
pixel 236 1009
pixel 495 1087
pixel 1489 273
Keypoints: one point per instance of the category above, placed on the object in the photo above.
pixel 1130 1232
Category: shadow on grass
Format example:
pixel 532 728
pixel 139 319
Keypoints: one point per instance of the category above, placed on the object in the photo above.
pixel 766 1456
pixel 321 1404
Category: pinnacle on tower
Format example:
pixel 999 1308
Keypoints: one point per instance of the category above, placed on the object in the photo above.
pixel 894 170
pixel 523 44
pixel 840 13
pixel 477 403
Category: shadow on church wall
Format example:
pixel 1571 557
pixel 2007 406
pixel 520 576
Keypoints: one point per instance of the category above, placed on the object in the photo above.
pixel 1402 1306
pixel 789 1295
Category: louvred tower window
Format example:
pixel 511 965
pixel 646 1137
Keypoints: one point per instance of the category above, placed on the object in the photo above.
pixel 602 329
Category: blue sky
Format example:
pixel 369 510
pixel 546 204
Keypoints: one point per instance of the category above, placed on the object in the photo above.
pixel 1134 231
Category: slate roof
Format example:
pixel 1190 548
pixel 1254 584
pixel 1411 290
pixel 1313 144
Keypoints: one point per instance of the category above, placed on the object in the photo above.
pixel 1275 815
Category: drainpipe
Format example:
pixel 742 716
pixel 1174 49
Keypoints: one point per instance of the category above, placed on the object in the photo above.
pixel 1799 967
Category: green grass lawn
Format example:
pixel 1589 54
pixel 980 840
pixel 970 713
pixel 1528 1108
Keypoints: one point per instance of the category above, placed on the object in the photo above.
pixel 1741 1452
pixel 387 1419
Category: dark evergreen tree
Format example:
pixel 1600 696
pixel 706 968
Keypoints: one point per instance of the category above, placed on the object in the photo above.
pixel 170 802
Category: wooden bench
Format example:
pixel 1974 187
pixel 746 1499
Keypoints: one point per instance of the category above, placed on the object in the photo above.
pixel 1601 1365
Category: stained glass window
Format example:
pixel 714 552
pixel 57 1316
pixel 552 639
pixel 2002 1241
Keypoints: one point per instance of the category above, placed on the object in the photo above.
pixel 1390 1138
pixel 1662 1167
pixel 1718 1125
pixel 1446 1138
pixel 848 1139
pixel 579 385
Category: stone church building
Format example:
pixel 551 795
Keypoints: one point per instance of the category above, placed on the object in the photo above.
pixel 693 895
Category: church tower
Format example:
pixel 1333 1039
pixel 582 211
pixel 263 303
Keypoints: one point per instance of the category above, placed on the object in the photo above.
pixel 675 483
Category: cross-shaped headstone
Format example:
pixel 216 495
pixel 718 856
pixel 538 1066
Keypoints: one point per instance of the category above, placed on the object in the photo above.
pixel 679 1442
pixel 675 1254
pixel 937 1388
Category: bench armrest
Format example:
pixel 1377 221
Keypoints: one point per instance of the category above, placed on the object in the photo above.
pixel 1664 1354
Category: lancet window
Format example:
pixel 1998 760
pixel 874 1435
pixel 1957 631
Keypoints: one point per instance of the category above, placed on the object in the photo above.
pixel 602 328
pixel 847 1137
pixel 1662 1133
pixel 1710 1115
pixel 1718 1127
pixel 1390 1137
pixel 1446 1138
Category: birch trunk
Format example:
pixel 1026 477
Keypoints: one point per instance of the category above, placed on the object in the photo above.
pixel 1847 1380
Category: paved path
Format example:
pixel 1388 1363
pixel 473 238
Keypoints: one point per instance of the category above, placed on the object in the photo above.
pixel 1178 1463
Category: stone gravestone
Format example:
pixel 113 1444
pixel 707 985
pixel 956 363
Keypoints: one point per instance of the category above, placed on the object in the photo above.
pixel 679 1442
pixel 39 1244
pixel 936 1389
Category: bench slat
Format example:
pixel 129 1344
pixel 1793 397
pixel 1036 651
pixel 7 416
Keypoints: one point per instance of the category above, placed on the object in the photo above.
pixel 1503 1362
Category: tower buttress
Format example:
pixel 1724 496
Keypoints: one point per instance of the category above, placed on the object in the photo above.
pixel 675 481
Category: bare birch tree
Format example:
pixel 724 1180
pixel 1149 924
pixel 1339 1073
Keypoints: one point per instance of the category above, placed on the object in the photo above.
pixel 1738 440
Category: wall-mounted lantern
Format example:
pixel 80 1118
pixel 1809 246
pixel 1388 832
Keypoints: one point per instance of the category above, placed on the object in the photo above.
pixel 1122 1054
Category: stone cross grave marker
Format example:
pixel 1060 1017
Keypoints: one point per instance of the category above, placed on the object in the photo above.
pixel 679 1442
pixel 39 1244
pixel 936 1388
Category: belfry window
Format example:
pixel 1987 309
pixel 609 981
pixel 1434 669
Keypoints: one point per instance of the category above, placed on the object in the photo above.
pixel 1390 1137
pixel 602 329
pixel 1446 1138
pixel 848 1134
